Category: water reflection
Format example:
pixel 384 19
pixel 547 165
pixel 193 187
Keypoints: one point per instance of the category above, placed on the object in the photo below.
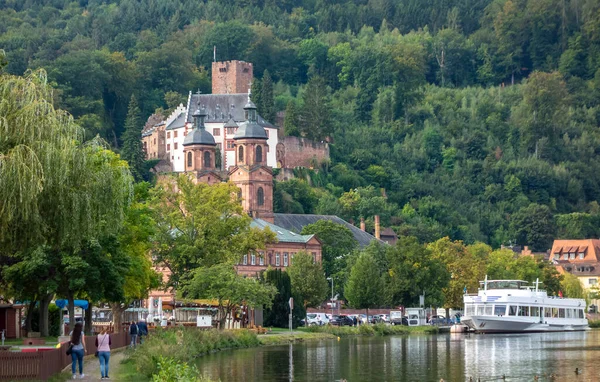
pixel 416 358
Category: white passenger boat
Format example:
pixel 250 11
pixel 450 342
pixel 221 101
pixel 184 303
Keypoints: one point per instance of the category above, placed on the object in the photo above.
pixel 510 306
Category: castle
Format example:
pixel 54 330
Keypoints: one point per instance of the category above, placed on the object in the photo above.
pixel 223 114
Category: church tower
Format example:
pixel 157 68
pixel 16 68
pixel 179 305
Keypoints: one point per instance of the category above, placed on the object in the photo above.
pixel 199 151
pixel 251 173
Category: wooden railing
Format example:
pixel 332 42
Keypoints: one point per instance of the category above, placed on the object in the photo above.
pixel 44 363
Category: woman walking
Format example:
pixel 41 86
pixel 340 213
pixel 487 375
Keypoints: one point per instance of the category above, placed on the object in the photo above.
pixel 78 350
pixel 133 332
pixel 103 344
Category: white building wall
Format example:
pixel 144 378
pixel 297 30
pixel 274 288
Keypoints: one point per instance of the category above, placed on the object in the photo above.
pixel 272 152
pixel 176 154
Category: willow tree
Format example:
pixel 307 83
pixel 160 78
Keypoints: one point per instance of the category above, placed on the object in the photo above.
pixel 58 192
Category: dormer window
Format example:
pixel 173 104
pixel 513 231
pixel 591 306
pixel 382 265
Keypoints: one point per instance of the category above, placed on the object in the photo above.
pixel 581 255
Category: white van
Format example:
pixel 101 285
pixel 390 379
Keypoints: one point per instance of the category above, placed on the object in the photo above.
pixel 317 319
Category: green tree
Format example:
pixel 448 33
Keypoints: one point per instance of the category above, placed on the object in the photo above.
pixel 198 225
pixel 534 226
pixel 266 108
pixel 308 280
pixel 60 195
pixel 278 314
pixel 466 269
pixel 315 120
pixel 571 287
pixel 337 242
pixel 291 122
pixel 222 283
pixel 364 288
pixel 132 150
pixel 414 271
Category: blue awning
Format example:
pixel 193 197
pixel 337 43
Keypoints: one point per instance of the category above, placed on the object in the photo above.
pixel 83 304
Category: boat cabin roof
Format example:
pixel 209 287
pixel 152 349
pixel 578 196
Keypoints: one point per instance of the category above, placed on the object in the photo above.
pixel 505 284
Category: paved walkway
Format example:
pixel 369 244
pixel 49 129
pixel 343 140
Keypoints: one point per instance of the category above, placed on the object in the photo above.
pixel 91 366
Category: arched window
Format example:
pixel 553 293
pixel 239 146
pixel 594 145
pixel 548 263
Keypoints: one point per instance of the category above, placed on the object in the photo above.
pixel 258 154
pixel 241 154
pixel 207 159
pixel 260 196
pixel 189 159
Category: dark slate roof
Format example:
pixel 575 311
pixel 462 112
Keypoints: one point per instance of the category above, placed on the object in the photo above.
pixel 221 107
pixel 177 123
pixel 295 223
pixel 251 130
pixel 231 123
pixel 199 137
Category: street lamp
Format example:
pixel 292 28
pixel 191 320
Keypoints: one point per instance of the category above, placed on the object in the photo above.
pixel 331 279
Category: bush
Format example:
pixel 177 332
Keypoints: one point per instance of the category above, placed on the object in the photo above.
pixel 370 330
pixel 186 344
pixel 594 323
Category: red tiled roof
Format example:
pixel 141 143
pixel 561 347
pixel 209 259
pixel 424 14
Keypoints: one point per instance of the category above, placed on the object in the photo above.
pixel 589 246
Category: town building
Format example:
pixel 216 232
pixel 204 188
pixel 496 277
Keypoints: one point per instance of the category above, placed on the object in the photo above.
pixel 10 319
pixel 581 258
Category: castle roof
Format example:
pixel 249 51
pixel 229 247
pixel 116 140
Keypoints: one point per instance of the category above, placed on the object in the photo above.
pixel 177 122
pixel 220 108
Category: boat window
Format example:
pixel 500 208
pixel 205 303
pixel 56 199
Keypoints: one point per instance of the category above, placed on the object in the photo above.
pixel 499 310
pixel 480 310
pixel 512 310
pixel 580 313
pixel 547 312
pixel 535 311
pixel 523 311
pixel 555 312
pixel 470 310
pixel 561 313
pixel 489 309
pixel 569 313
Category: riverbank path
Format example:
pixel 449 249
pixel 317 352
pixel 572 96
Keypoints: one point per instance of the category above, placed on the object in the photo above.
pixel 91 366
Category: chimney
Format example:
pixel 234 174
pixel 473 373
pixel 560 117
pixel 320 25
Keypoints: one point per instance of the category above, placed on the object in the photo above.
pixel 377 228
pixel 362 224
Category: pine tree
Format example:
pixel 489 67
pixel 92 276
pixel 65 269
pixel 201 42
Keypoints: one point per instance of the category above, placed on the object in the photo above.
pixel 257 94
pixel 132 150
pixel 267 108
pixel 291 121
pixel 315 117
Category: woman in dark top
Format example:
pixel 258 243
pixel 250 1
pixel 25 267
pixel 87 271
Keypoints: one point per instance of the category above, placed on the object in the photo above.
pixel 78 350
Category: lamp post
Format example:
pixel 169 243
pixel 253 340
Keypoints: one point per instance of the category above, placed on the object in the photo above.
pixel 331 279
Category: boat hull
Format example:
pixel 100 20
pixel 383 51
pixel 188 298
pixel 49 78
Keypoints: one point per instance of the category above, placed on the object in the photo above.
pixel 492 324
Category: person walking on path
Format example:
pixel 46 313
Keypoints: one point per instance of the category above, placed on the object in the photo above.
pixel 142 330
pixel 133 331
pixel 78 350
pixel 103 344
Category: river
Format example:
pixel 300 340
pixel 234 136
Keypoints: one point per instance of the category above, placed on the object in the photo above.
pixel 451 357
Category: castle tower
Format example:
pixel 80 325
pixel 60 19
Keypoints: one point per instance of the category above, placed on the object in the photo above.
pixel 199 151
pixel 251 173
pixel 231 77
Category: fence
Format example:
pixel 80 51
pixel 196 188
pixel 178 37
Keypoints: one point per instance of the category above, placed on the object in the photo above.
pixel 44 363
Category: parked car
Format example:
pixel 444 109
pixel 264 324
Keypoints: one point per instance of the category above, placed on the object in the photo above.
pixel 440 320
pixel 380 319
pixel 315 319
pixel 339 320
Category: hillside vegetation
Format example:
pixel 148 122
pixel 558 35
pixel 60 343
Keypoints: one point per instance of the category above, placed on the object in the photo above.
pixel 473 119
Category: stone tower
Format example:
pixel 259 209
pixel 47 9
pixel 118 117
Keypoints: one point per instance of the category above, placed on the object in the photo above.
pixel 199 151
pixel 230 77
pixel 251 173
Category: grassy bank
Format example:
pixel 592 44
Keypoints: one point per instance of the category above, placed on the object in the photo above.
pixel 286 337
pixel 372 330
pixel 186 344
pixel 594 323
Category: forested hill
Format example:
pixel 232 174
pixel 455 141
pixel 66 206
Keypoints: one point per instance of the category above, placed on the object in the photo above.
pixel 474 119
